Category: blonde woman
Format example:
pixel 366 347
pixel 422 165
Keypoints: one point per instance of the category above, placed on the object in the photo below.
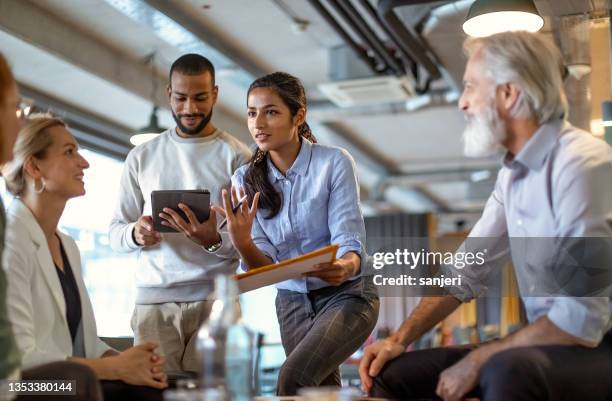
pixel 87 389
pixel 47 300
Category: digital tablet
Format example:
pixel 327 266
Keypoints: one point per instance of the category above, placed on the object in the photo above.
pixel 197 200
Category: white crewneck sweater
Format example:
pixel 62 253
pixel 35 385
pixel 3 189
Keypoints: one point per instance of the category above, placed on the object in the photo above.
pixel 176 269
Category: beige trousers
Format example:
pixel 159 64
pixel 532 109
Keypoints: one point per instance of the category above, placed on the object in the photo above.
pixel 174 326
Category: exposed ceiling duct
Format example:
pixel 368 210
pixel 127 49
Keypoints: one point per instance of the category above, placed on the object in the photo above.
pixel 404 190
pixel 557 8
pixel 342 13
pixel 371 12
pixel 350 15
pixel 574 34
pixel 406 58
pixel 359 51
pixel 351 89
pixel 408 41
pixel 442 33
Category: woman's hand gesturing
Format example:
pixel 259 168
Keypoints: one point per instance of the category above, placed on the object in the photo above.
pixel 239 223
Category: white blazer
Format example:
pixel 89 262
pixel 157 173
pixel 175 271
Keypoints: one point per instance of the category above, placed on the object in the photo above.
pixel 35 300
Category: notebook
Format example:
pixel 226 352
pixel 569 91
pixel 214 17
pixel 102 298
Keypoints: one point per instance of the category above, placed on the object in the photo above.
pixel 285 270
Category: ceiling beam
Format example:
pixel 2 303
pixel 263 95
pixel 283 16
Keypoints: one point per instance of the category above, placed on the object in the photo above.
pixel 378 173
pixel 208 36
pixel 91 131
pixel 31 23
pixel 27 21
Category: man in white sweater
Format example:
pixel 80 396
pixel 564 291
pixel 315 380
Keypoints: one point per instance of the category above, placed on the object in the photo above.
pixel 175 272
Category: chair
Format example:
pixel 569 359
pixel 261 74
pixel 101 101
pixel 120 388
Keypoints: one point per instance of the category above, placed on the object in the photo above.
pixel 119 343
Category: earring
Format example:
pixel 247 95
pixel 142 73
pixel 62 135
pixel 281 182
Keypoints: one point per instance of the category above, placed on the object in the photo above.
pixel 42 187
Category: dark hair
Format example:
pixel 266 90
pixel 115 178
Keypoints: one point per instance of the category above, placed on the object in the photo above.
pixel 192 64
pixel 291 91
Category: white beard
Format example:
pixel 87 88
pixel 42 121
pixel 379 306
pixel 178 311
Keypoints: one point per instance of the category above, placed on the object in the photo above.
pixel 484 134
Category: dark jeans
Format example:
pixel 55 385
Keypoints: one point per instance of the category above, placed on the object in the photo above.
pixel 87 385
pixel 320 330
pixel 551 373
pixel 119 391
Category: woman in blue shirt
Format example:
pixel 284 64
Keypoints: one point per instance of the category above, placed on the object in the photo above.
pixel 303 196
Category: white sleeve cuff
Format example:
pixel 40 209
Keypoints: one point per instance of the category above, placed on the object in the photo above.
pixel 584 318
pixel 128 237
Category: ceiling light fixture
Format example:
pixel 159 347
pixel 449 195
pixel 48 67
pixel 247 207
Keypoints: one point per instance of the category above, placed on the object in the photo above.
pixel 152 130
pixel 487 17
pixel 149 132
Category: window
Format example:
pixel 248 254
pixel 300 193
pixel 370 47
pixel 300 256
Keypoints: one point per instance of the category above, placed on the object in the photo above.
pixel 259 312
pixel 108 276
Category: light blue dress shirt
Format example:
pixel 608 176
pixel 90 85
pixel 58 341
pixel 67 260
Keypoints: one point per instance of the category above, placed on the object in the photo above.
pixel 559 185
pixel 320 206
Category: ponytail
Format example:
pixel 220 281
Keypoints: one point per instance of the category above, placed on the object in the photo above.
pixel 305 132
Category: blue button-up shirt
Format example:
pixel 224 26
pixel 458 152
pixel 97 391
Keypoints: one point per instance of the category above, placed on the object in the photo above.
pixel 320 206
pixel 559 185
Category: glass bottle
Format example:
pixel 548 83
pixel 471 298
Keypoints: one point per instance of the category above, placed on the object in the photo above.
pixel 225 345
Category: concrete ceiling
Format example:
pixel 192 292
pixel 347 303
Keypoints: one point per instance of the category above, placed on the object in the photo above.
pixel 49 73
pixel 262 34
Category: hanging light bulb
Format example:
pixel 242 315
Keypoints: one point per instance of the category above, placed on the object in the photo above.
pixel 149 132
pixel 152 130
pixel 487 17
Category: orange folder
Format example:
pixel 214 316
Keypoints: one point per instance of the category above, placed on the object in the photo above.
pixel 285 270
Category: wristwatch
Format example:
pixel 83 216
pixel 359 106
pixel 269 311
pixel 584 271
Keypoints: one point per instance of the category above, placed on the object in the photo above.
pixel 214 247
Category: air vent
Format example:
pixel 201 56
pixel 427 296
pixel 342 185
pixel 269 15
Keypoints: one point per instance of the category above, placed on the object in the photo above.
pixel 361 92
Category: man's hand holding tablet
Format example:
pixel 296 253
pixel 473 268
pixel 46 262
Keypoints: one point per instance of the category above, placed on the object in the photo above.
pixel 190 216
pixel 143 233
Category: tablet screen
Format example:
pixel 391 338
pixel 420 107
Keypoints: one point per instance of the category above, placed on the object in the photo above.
pixel 197 200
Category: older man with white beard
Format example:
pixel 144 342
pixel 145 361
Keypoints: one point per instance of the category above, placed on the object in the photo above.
pixel 556 182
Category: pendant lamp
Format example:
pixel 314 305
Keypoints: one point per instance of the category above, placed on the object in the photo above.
pixel 487 17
